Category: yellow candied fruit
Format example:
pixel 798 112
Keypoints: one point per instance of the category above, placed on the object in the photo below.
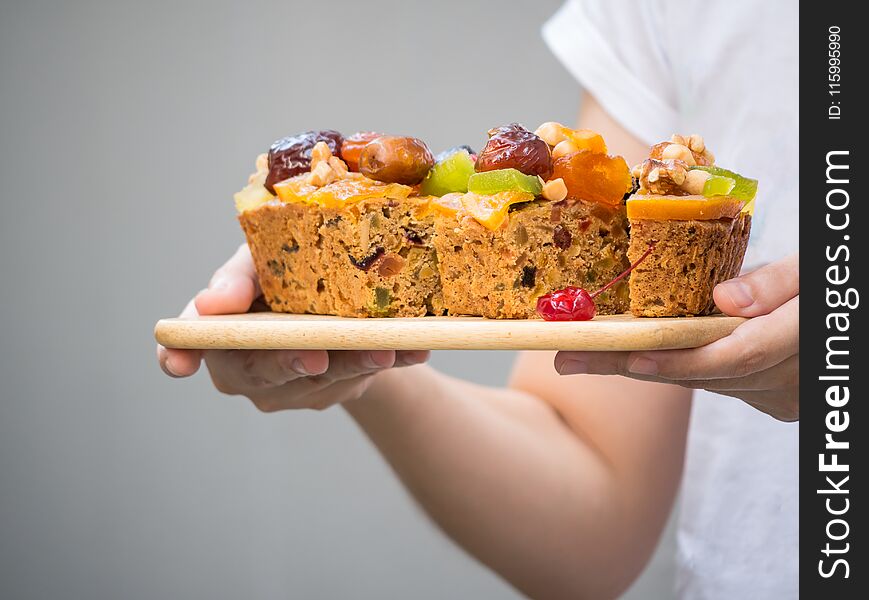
pixel 447 205
pixel 339 193
pixel 251 196
pixel 683 208
pixel 491 210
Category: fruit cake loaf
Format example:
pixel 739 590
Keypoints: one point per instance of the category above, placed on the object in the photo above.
pixel 696 218
pixel 529 225
pixel 338 242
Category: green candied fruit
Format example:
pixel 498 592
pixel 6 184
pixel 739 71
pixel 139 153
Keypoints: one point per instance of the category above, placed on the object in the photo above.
pixel 718 186
pixel 449 175
pixel 503 180
pixel 743 187
pixel 382 298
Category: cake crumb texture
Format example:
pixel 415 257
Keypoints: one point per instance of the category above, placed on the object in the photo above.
pixel 690 258
pixel 542 247
pixel 374 258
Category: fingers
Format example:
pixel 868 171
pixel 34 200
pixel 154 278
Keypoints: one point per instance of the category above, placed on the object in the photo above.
pixel 299 373
pixel 753 347
pixel 180 363
pixel 245 371
pixel 287 397
pixel 278 367
pixel 784 375
pixel 346 364
pixel 778 377
pixel 233 288
pixel 408 358
pixel 762 291
pixel 349 364
pixel 341 391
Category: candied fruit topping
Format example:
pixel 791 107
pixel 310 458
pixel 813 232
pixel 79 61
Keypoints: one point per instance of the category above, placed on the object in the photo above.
pixel 449 174
pixel 683 169
pixel 514 147
pixel 442 156
pixel 395 159
pixel 565 140
pixel 251 196
pixel 718 186
pixel 683 208
pixel 490 210
pixel 291 155
pixel 353 145
pixel 586 139
pixel 502 180
pixel 594 177
pixel 354 188
pixel 254 194
pixel 448 204
pixel 744 188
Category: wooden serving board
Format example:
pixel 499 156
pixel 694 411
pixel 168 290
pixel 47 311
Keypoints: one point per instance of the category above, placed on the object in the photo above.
pixel 269 331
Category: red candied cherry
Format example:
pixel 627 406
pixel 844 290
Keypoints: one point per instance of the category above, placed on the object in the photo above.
pixel 569 304
pixel 576 304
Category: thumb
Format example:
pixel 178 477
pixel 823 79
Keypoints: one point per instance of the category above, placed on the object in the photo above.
pixel 232 289
pixel 762 291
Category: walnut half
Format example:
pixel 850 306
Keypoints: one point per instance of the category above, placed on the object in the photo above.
pixel 662 177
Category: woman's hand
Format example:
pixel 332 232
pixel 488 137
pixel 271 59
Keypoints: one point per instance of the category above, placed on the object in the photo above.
pixel 758 363
pixel 275 379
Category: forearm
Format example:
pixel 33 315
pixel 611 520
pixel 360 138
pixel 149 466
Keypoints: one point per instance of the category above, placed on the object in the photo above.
pixel 504 476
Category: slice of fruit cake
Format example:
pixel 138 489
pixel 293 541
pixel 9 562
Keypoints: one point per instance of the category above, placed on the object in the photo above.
pixel 329 240
pixel 697 219
pixel 543 210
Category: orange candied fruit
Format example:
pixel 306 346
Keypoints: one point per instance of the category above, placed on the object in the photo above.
pixel 594 177
pixel 491 210
pixel 683 208
pixel 576 139
pixel 339 193
pixel 448 204
pixel 586 139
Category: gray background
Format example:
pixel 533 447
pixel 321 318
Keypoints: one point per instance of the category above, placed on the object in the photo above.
pixel 125 127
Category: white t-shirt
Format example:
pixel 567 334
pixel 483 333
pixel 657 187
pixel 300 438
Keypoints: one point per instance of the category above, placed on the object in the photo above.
pixel 728 71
